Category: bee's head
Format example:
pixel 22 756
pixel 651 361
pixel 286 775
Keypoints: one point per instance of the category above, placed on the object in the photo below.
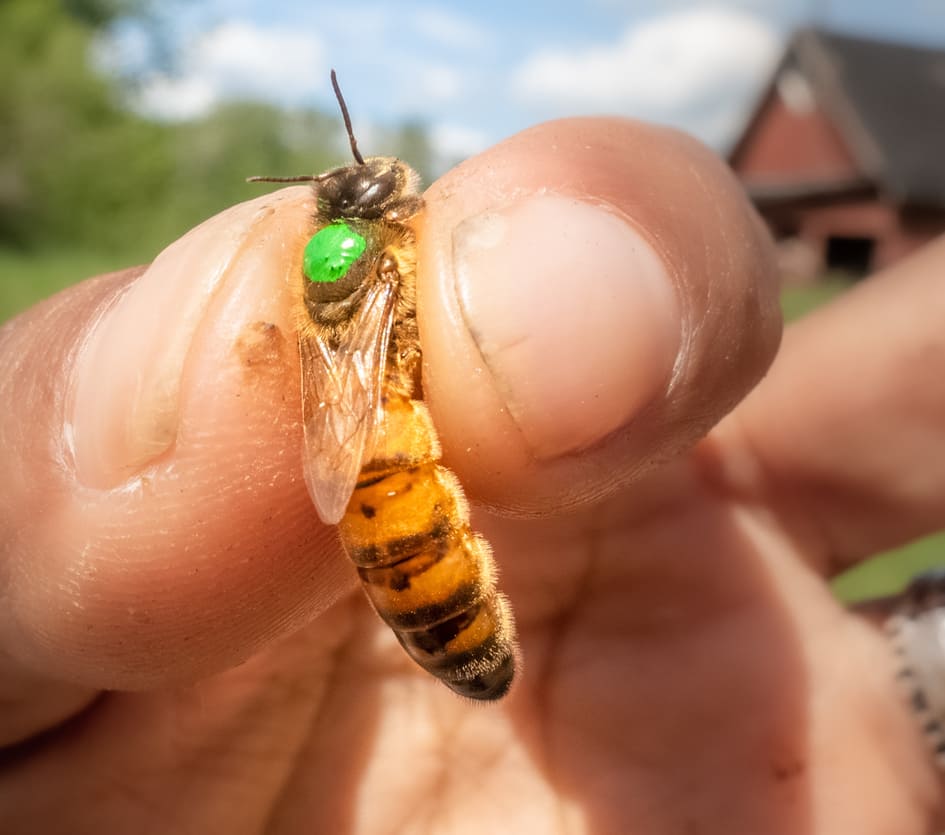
pixel 366 190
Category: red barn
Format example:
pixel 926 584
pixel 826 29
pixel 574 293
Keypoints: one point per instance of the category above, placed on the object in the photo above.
pixel 844 155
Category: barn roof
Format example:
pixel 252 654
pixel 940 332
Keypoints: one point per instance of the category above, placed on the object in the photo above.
pixel 888 102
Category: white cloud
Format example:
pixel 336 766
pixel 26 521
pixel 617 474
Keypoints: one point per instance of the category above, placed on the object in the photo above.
pixel 436 82
pixel 453 141
pixel 693 68
pixel 239 60
pixel 177 98
pixel 448 29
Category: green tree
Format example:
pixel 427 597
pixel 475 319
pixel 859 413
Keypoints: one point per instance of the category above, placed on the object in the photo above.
pixel 214 155
pixel 411 142
pixel 72 158
pixel 80 170
pixel 97 13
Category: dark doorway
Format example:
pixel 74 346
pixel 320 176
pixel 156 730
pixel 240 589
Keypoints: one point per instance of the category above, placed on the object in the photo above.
pixel 853 256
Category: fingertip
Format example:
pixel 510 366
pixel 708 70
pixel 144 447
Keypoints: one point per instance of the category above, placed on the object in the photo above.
pixel 578 294
pixel 196 310
pixel 132 570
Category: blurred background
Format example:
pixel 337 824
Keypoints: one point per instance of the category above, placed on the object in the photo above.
pixel 123 123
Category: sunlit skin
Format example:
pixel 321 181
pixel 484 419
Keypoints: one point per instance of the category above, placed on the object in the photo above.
pixel 685 667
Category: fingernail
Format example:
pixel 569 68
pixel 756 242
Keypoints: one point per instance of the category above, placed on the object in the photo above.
pixel 126 395
pixel 574 313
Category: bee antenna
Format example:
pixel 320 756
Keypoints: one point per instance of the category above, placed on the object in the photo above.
pixel 302 178
pixel 344 115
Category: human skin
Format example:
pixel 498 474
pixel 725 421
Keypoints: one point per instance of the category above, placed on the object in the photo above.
pixel 183 646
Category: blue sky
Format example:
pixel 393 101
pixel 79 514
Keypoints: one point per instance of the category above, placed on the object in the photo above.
pixel 475 73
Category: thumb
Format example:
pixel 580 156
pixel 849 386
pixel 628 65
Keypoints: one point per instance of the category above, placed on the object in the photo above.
pixel 594 295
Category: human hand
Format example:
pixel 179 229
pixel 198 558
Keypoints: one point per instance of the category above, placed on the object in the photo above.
pixel 183 646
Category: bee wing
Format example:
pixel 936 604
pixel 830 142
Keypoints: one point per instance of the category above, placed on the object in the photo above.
pixel 341 401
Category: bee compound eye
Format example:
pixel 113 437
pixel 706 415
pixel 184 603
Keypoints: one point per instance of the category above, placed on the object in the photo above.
pixel 374 192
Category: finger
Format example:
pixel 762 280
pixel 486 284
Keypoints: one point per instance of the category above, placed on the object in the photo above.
pixel 594 295
pixel 152 507
pixel 850 424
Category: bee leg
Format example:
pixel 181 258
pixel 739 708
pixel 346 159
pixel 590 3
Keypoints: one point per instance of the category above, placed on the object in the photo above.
pixel 388 268
pixel 409 363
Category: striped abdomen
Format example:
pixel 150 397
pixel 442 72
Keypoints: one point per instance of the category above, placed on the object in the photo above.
pixel 430 578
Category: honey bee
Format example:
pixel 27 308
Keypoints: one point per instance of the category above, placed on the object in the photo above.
pixel 370 451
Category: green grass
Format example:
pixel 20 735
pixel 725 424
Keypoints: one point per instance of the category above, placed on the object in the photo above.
pixel 26 278
pixel 798 300
pixel 890 571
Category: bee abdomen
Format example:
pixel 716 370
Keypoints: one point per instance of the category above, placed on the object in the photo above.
pixel 472 652
pixel 408 440
pixel 431 579
pixel 394 516
pixel 437 582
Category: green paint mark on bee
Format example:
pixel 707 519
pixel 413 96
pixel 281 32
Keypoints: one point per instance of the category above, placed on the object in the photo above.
pixel 330 253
